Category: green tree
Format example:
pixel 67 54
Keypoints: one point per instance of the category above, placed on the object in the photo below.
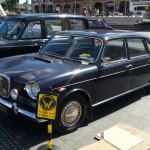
pixel 8 4
pixel 26 7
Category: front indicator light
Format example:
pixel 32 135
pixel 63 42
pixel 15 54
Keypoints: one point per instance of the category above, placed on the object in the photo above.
pixel 14 94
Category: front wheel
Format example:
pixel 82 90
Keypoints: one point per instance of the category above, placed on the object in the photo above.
pixel 71 114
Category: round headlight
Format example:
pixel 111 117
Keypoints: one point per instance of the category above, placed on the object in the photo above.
pixel 14 94
pixel 32 89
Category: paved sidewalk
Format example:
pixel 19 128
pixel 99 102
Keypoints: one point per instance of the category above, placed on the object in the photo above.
pixel 132 109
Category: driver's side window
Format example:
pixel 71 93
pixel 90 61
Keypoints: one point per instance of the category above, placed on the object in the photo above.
pixel 115 50
pixel 33 30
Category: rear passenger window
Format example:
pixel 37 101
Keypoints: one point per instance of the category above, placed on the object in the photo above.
pixel 136 47
pixel 115 50
pixel 76 24
pixel 33 30
pixel 53 25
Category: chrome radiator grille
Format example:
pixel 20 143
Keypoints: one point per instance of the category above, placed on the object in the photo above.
pixel 4 85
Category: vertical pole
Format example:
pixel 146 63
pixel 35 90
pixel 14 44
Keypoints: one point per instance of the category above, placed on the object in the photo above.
pixel 125 11
pixel 114 8
pixel 90 4
pixel 41 6
pixel 75 7
pixel 49 144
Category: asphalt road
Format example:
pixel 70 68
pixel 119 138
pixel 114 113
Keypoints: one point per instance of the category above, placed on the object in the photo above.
pixel 17 133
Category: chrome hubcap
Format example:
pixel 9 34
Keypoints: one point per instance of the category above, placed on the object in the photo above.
pixel 71 114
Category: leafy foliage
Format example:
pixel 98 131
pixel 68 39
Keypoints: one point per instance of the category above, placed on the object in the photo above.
pixel 8 4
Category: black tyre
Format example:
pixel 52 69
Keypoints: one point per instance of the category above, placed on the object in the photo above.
pixel 71 114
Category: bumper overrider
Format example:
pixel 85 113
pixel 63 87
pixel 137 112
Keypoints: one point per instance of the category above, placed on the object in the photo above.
pixel 19 110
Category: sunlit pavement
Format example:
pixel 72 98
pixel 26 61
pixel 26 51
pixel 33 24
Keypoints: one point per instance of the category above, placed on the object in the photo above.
pixel 133 109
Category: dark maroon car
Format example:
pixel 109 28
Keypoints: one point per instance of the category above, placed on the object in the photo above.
pixel 98 24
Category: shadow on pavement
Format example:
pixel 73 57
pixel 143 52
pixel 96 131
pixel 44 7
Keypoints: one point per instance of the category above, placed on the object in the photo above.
pixel 116 104
pixel 18 133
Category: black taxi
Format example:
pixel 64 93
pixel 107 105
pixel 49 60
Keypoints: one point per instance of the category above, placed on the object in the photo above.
pixel 25 33
pixel 85 69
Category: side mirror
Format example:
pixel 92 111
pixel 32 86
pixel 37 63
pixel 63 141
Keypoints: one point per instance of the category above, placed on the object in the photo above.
pixel 105 61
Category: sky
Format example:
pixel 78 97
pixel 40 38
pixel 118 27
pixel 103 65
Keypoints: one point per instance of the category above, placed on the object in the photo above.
pixel 22 1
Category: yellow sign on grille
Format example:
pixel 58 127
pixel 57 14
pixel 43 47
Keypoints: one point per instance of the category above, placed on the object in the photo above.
pixel 47 104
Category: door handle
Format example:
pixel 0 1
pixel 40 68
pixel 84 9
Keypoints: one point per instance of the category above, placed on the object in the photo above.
pixel 129 66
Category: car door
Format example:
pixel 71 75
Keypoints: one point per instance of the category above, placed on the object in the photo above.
pixel 140 62
pixel 15 43
pixel 31 38
pixel 114 75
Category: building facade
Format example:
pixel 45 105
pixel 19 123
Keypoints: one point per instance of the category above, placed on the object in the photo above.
pixel 79 6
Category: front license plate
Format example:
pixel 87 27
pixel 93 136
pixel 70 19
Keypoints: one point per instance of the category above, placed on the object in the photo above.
pixel 3 109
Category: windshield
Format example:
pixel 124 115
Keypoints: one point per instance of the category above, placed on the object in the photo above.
pixel 11 29
pixel 73 47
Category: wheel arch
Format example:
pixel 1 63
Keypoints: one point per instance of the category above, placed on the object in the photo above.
pixel 88 101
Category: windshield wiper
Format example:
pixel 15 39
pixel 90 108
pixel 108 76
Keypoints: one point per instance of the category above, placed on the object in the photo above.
pixel 52 54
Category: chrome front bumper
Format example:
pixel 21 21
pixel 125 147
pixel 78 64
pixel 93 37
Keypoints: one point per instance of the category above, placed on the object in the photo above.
pixel 21 111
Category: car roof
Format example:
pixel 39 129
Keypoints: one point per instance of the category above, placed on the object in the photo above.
pixel 105 34
pixel 43 15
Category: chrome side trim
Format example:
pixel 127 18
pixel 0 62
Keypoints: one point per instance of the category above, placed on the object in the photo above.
pixel 139 67
pixel 20 111
pixel 74 83
pixel 112 74
pixel 141 56
pixel 89 80
pixel 117 96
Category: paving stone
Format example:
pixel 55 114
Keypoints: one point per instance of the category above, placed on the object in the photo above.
pixel 140 123
pixel 119 115
pixel 102 124
pixel 140 111
pixel 147 116
pixel 131 107
pixel 81 137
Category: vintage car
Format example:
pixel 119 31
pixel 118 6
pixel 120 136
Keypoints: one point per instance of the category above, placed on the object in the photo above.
pixel 21 34
pixel 98 24
pixel 85 68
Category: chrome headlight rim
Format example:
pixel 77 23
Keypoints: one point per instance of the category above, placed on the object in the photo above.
pixel 28 88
